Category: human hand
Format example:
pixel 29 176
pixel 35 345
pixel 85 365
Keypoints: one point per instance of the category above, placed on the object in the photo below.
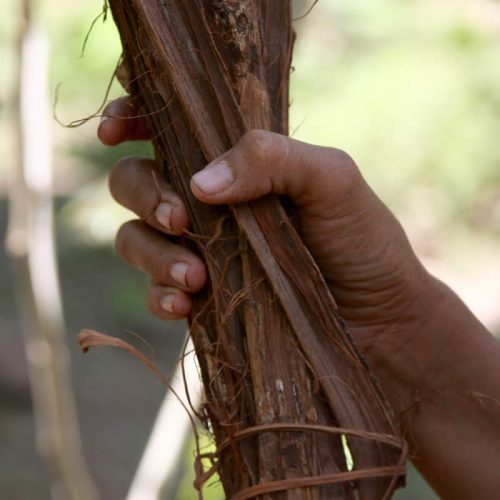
pixel 418 337
pixel 358 244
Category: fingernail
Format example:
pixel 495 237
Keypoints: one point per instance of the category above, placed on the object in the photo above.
pixel 163 213
pixel 178 272
pixel 167 303
pixel 214 178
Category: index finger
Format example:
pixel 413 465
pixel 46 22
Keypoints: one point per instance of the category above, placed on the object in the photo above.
pixel 121 121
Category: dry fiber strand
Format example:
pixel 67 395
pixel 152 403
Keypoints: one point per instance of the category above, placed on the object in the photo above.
pixel 283 381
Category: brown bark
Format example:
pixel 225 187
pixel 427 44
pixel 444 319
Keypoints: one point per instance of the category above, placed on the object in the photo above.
pixel 271 347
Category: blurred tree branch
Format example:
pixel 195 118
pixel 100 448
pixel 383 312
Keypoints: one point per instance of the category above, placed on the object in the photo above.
pixel 159 473
pixel 30 243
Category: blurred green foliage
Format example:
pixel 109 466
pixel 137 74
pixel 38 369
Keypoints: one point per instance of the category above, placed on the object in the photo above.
pixel 408 88
pixel 411 90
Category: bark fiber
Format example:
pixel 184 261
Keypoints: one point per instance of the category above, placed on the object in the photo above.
pixel 280 373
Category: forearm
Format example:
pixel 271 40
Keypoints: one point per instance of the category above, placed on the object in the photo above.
pixel 437 364
pixel 444 381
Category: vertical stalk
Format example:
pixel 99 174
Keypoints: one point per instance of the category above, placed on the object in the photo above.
pixel 31 245
pixel 159 473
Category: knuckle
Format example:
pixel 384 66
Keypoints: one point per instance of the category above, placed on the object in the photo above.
pixel 116 175
pixel 259 145
pixel 346 171
pixel 131 187
pixel 341 158
pixel 123 240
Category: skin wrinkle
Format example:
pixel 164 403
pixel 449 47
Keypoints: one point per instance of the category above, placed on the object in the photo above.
pixel 437 368
pixel 350 224
pixel 144 179
pixel 279 161
pixel 425 347
pixel 393 296
pixel 132 235
pixel 338 180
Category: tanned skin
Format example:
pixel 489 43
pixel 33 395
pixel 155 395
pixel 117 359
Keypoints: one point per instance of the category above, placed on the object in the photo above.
pixel 437 364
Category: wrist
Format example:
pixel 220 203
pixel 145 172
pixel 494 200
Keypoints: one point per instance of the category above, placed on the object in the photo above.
pixel 439 349
pixel 441 376
pixel 408 354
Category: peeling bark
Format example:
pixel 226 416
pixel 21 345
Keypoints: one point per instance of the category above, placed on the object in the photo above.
pixel 270 344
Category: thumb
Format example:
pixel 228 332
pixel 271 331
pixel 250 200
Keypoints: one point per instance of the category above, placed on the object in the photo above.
pixel 264 162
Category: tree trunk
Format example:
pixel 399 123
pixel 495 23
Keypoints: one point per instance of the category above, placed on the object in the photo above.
pixel 283 381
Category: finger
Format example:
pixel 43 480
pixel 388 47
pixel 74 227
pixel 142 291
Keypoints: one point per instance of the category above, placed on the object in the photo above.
pixel 135 184
pixel 120 122
pixel 168 303
pixel 264 162
pixel 166 263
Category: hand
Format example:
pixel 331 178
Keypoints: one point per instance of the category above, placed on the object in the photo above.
pixel 359 246
pixel 418 337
